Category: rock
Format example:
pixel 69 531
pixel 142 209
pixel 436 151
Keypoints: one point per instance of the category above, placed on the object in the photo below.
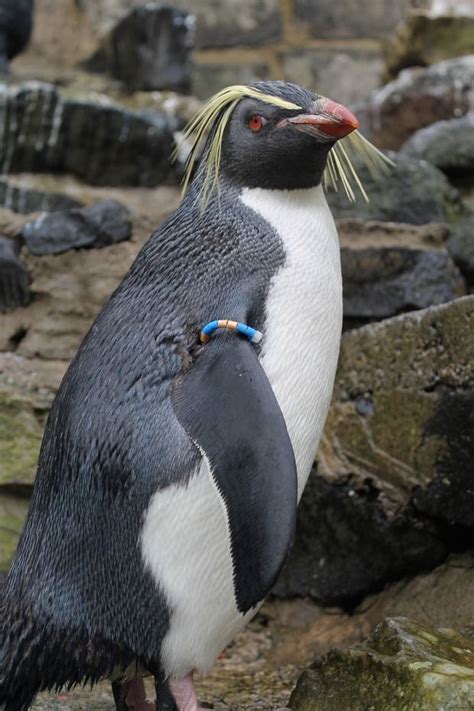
pixel 27 388
pixel 418 98
pixel 461 246
pixel 414 192
pixel 208 78
pixel 14 277
pixel 48 133
pixel 368 18
pixel 99 225
pixel 149 49
pixel 219 24
pixel 384 273
pixel 403 665
pixel 13 510
pixel 24 200
pixel 342 73
pixel 427 37
pixel 449 145
pixel 16 22
pixel 394 489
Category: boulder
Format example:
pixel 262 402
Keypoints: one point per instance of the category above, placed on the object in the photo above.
pixel 449 145
pixel 27 388
pixel 219 24
pixel 22 199
pixel 46 132
pixel 327 19
pixel 414 192
pixel 426 38
pixel 418 98
pixel 461 246
pixel 149 49
pixel 16 22
pixel 14 277
pixel 391 268
pixel 393 490
pixel 403 665
pixel 98 225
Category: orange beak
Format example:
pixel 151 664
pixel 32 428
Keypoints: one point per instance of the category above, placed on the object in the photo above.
pixel 329 120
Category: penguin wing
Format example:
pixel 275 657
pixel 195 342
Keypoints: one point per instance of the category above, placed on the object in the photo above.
pixel 227 407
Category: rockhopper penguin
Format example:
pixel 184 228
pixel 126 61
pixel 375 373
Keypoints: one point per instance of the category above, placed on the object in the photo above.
pixel 165 500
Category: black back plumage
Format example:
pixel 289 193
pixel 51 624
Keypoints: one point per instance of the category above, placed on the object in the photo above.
pixel 112 440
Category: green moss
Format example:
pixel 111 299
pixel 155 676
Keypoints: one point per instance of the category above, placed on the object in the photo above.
pixel 21 431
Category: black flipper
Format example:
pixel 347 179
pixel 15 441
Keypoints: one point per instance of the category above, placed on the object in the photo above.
pixel 227 406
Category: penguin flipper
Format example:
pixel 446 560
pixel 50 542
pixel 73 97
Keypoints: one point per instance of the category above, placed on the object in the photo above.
pixel 227 407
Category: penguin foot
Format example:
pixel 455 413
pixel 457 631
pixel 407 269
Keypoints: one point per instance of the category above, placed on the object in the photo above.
pixel 131 696
pixel 184 694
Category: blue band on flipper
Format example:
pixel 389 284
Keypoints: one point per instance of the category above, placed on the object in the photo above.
pixel 252 334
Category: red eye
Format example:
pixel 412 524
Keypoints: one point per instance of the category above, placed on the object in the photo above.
pixel 256 123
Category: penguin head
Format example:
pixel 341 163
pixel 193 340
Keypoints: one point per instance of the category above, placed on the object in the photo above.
pixel 270 146
pixel 276 135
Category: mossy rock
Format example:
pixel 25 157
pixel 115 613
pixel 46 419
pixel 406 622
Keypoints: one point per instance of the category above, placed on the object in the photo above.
pixel 403 666
pixel 13 510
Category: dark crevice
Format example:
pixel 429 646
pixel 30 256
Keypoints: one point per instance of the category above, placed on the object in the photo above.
pixel 17 337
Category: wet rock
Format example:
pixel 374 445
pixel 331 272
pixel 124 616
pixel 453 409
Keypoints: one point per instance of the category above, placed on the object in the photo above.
pixel 45 132
pixel 449 145
pixel 24 200
pixel 27 388
pixel 427 37
pixel 98 225
pixel 394 485
pixel 402 665
pixel 149 49
pixel 14 277
pixel 418 98
pixel 16 22
pixel 414 192
pixel 368 18
pixel 393 268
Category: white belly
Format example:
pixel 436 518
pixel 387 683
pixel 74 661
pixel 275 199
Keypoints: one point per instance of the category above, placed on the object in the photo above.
pixel 303 314
pixel 185 537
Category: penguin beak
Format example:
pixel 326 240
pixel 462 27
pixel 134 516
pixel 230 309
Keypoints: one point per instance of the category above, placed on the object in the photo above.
pixel 329 121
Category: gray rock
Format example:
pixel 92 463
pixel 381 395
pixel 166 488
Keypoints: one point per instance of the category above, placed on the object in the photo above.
pixel 461 246
pixel 16 22
pixel 14 277
pixel 403 665
pixel 394 487
pixel 344 74
pixel 149 49
pixel 101 143
pixel 219 24
pixel 418 98
pixel 349 19
pixel 414 192
pixel 449 145
pixel 208 78
pixel 24 200
pixel 427 37
pixel 380 282
pixel 99 225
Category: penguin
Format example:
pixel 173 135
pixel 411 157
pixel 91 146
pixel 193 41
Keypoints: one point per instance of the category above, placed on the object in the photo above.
pixel 185 428
pixel 16 23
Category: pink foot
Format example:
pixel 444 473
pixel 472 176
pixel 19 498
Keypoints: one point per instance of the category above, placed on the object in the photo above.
pixel 184 694
pixel 134 696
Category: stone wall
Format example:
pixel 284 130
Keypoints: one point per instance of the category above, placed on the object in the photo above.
pixel 332 46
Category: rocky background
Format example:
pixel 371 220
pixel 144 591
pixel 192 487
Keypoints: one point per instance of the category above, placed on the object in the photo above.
pixel 88 119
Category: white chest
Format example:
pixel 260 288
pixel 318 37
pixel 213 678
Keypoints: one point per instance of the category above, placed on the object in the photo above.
pixel 303 314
